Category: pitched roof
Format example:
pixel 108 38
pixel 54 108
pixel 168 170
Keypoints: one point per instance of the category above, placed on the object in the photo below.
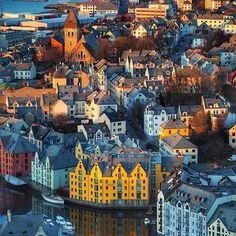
pixel 176 141
pixel 71 20
pixel 174 124
pixel 15 143
pixel 59 158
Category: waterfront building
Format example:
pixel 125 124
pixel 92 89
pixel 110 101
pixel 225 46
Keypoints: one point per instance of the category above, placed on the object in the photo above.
pixel 16 154
pixel 195 201
pixel 111 181
pixel 50 169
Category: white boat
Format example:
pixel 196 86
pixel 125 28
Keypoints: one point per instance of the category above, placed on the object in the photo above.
pixel 232 158
pixel 60 220
pixel 68 226
pixel 146 221
pixel 52 198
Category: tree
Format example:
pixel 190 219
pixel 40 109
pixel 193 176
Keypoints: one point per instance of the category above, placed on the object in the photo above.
pixel 138 111
pixel 201 122
pixel 60 120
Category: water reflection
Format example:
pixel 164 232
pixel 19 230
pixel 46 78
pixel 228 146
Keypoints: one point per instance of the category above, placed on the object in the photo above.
pixel 97 223
pixel 18 202
pixel 87 222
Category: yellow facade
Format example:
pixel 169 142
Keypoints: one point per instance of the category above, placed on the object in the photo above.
pixel 166 132
pixel 160 176
pixel 117 187
pixel 80 152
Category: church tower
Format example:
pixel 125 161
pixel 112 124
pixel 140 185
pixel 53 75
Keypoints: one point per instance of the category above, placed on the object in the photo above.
pixel 71 33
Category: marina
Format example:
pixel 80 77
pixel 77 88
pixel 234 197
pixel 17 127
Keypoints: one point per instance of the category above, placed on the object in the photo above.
pixel 31 207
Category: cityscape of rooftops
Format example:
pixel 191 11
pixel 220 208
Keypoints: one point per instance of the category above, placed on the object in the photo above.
pixel 118 117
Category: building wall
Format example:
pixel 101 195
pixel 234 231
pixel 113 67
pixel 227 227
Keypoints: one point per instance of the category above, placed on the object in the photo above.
pixel 166 132
pixel 47 177
pixel 15 164
pixel 71 36
pixel 232 137
pixel 191 152
pixel 217 228
pixel 119 188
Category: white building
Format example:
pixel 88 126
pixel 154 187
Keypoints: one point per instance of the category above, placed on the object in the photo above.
pixel 198 41
pixel 194 200
pixel 24 71
pixel 228 58
pixel 115 121
pixel 185 209
pixel 51 169
pixel 98 102
pixel 154 115
pixel 138 95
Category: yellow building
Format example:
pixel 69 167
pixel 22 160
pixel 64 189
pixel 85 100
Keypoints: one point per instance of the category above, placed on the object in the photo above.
pixel 110 180
pixel 232 136
pixel 172 126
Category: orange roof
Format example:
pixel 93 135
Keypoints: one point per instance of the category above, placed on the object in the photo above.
pixel 28 92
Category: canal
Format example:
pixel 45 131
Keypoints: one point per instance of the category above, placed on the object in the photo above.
pixel 87 222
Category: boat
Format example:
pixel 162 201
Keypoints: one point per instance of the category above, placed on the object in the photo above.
pixel 15 182
pixel 52 198
pixel 60 220
pixel 147 221
pixel 68 226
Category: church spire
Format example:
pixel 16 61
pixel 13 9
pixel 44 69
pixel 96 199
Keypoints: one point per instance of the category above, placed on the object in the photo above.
pixel 72 20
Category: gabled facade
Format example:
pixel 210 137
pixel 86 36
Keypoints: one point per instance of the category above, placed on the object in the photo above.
pixel 120 184
pixel 16 154
pixel 51 169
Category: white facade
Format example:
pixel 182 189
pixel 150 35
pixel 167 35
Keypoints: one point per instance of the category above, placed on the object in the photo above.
pixel 47 177
pixel 198 42
pixel 153 119
pixel 137 96
pixel 116 127
pixel 25 74
pixel 228 59
pixel 176 218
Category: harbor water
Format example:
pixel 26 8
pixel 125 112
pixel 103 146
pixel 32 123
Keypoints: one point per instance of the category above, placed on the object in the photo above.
pixel 87 222
pixel 29 6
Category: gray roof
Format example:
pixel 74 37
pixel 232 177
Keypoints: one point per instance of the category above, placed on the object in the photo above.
pixel 59 158
pixel 15 143
pixel 226 213
pixel 113 116
pixel 176 141
pixel 174 124
pixel 29 224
